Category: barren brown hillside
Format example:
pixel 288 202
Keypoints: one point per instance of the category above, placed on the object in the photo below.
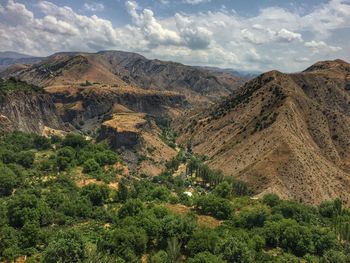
pixel 282 133
pixel 122 69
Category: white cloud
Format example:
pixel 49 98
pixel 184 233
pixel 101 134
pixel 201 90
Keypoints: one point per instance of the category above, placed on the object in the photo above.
pixel 288 36
pixel 195 2
pixel 153 31
pixel 274 38
pixel 317 46
pixel 94 7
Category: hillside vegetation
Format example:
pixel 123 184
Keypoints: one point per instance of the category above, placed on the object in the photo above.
pixel 13 84
pixel 71 200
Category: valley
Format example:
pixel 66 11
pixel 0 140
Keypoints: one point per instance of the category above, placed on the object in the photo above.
pixel 136 160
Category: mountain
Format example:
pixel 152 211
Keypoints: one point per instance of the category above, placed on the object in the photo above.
pixel 13 55
pixel 8 58
pixel 282 133
pixel 117 96
pixel 119 68
pixel 27 108
pixel 239 73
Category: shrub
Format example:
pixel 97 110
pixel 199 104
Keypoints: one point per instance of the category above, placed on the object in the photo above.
pixel 90 166
pixel 67 247
pixel 128 243
pixel 132 207
pixel 97 194
pixel 7 180
pixel 214 206
pixel 160 257
pixel 206 257
pixel 271 200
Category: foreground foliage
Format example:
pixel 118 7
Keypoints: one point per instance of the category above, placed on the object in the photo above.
pixel 48 216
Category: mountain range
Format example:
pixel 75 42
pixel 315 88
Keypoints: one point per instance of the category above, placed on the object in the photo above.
pixel 283 133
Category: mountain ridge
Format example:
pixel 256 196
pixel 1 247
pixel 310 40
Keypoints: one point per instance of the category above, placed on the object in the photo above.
pixel 282 133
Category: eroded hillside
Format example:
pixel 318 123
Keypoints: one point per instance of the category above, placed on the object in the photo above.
pixel 282 133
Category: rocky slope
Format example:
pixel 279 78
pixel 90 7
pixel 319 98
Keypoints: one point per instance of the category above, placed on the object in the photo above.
pixel 120 69
pixel 28 110
pixel 282 133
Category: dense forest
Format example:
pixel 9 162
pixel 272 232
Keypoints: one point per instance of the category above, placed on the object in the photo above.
pixel 70 200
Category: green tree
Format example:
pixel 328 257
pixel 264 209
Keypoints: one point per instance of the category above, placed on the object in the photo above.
pixel 75 141
pixel 26 158
pixel 9 243
pixel 123 191
pixel 67 247
pixel 203 240
pixel 214 206
pixel 97 194
pixel 271 200
pixel 160 257
pixel 128 243
pixel 132 207
pixel 206 257
pixel 333 256
pixel 223 190
pixel 174 250
pixel 7 180
pixel 90 166
pixel 236 250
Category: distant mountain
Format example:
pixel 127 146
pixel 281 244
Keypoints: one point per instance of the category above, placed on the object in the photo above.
pixel 282 133
pixel 14 55
pixel 129 69
pixel 241 73
pixel 8 58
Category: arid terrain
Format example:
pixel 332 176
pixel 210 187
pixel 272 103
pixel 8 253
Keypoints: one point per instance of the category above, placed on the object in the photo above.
pixel 282 133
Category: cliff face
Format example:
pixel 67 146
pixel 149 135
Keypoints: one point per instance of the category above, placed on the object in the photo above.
pixel 29 112
pixel 92 104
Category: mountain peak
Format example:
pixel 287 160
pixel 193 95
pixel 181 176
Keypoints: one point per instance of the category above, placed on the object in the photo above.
pixel 337 65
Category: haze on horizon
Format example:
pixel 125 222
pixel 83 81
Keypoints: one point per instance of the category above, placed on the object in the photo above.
pixel 244 35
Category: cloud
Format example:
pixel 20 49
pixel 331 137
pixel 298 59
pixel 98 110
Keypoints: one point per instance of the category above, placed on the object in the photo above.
pixel 153 31
pixel 93 7
pixel 273 38
pixel 317 46
pixel 195 2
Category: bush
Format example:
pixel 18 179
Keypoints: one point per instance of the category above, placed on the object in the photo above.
pixel 271 200
pixel 289 235
pixel 214 206
pixel 298 212
pixel 203 240
pixel 42 143
pixel 332 256
pixel 132 207
pixel 160 257
pixel 9 243
pixel 128 243
pixel 160 193
pixel 206 257
pixel 74 141
pixel 67 247
pixel 236 250
pixel 90 166
pixel 7 180
pixel 97 194
pixel 252 218
pixel 223 190
pixel 26 159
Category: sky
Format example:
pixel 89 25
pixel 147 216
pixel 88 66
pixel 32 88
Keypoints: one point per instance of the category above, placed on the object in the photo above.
pixel 254 35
